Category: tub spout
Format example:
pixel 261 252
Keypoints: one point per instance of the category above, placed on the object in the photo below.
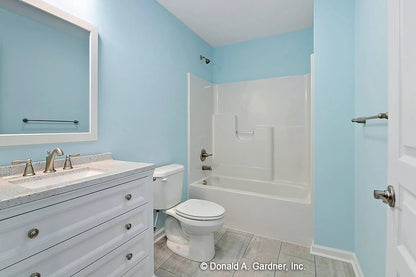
pixel 206 167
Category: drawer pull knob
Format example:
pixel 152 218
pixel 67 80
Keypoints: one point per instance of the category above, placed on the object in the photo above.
pixel 128 196
pixel 33 233
pixel 37 274
pixel 128 226
pixel 129 256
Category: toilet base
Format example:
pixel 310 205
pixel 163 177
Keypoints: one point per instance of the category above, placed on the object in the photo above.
pixel 189 241
pixel 199 248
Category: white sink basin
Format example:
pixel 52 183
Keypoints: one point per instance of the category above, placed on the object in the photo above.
pixel 53 179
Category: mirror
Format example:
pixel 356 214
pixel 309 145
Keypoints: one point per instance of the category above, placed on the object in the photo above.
pixel 48 75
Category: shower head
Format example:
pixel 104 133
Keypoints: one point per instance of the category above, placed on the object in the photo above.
pixel 207 61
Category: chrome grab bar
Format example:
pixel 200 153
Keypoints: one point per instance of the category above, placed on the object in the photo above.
pixel 364 119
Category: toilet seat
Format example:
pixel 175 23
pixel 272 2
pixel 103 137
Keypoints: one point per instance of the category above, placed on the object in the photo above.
pixel 198 209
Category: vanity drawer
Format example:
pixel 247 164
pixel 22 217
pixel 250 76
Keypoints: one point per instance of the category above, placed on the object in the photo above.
pixel 66 258
pixel 117 263
pixel 27 234
pixel 144 268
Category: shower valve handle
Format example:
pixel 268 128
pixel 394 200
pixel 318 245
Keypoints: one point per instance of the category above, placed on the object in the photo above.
pixel 204 155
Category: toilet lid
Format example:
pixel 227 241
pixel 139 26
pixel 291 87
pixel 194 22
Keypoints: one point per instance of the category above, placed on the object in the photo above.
pixel 200 210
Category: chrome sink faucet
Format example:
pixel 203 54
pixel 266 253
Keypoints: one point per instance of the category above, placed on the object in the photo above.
pixel 50 160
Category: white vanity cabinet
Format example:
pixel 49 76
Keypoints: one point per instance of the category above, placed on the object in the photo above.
pixel 103 229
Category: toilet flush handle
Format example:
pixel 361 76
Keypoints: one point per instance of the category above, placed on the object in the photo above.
pixel 164 179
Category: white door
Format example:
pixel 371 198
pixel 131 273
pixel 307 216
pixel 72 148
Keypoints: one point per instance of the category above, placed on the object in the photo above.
pixel 401 219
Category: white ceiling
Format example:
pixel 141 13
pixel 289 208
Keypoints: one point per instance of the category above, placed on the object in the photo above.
pixel 223 22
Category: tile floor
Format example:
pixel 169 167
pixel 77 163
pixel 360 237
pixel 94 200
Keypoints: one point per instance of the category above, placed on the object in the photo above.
pixel 236 246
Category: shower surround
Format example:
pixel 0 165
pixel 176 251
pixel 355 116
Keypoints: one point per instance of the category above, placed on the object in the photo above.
pixel 260 135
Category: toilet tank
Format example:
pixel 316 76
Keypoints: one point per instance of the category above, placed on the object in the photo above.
pixel 167 186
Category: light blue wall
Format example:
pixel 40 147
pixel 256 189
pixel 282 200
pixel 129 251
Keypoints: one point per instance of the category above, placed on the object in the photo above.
pixel 281 55
pixel 43 75
pixel 334 132
pixel 371 139
pixel 144 56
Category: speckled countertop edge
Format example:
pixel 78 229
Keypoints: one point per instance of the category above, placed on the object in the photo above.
pixel 13 194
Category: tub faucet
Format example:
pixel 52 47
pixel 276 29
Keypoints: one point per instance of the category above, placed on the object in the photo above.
pixel 50 160
pixel 206 167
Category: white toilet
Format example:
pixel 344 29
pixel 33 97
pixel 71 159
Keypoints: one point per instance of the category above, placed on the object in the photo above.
pixel 190 225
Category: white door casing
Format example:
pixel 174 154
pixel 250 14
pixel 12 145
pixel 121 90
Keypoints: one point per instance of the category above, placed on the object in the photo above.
pixel 401 220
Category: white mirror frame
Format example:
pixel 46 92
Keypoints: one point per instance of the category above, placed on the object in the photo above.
pixel 43 138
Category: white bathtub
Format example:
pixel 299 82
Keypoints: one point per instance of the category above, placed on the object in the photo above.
pixel 280 211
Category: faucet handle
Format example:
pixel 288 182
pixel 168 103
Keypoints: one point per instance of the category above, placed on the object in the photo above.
pixel 28 169
pixel 204 155
pixel 68 163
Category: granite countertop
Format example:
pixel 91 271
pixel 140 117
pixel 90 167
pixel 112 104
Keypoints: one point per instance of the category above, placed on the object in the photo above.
pixel 13 194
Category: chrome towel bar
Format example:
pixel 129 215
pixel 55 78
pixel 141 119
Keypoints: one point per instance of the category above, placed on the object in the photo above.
pixel 364 119
pixel 25 120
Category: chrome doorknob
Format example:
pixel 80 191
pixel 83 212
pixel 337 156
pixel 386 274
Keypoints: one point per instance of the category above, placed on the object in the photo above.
pixel 388 196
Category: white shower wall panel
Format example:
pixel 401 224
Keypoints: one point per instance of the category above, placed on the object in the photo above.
pixel 279 103
pixel 292 154
pixel 200 108
pixel 242 154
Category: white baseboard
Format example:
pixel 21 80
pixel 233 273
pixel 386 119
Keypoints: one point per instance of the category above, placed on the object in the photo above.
pixel 159 234
pixel 337 254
